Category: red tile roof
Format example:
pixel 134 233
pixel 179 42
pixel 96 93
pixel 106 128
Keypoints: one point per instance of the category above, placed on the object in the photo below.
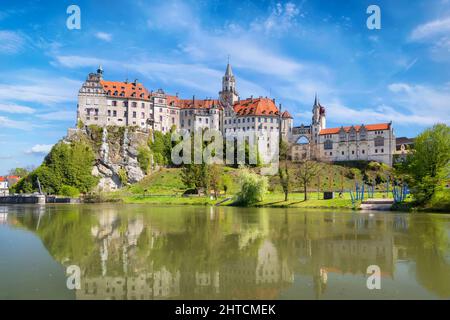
pixel 193 103
pixel 256 107
pixel 2 179
pixel 128 89
pixel 369 127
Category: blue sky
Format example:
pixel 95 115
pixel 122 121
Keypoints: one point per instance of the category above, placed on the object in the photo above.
pixel 286 50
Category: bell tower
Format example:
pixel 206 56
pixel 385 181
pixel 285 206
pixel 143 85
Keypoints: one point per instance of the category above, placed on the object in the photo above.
pixel 228 95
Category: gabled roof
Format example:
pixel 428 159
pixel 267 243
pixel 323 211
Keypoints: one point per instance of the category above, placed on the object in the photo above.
pixel 128 89
pixel 369 127
pixel 286 114
pixel 256 107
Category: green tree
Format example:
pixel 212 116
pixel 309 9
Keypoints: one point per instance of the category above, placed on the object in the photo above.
pixel 195 176
pixel 144 158
pixel 66 164
pixel 161 147
pixel 21 172
pixel 429 164
pixel 253 187
pixel 307 170
pixel 214 178
pixel 283 173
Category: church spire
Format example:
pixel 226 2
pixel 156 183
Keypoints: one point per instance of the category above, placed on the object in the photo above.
pixel 316 101
pixel 229 72
pixel 229 93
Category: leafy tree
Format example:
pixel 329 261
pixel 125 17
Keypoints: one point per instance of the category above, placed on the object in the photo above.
pixel 161 147
pixel 66 164
pixel 195 176
pixel 283 173
pixel 214 178
pixel 21 172
pixel 428 166
pixel 144 158
pixel 253 187
pixel 307 170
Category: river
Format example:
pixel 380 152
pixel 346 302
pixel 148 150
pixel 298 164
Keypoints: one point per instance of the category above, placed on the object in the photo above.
pixel 148 252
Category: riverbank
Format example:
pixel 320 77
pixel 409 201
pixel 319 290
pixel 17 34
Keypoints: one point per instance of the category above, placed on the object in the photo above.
pixel 272 200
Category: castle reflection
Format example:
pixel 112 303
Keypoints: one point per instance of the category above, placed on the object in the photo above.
pixel 137 252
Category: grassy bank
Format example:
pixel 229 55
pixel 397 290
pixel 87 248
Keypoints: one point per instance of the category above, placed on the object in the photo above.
pixel 275 200
pixel 440 203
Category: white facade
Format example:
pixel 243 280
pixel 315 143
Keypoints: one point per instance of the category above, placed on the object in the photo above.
pixel 105 103
pixel 372 142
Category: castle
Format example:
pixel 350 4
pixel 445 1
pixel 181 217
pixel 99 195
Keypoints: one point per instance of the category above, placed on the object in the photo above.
pixel 106 103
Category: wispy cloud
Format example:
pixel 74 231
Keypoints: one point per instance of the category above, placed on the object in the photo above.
pixel 431 29
pixel 64 115
pixel 436 34
pixel 14 108
pixel 11 42
pixel 281 19
pixel 103 36
pixel 6 122
pixel 40 149
pixel 39 88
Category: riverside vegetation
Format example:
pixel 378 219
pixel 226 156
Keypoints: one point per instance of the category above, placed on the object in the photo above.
pixel 67 171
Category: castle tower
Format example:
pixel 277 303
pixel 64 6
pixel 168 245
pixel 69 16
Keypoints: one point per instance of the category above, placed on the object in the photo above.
pixel 318 123
pixel 228 95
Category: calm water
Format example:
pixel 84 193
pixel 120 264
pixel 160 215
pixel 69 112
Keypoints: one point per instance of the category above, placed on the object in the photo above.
pixel 147 252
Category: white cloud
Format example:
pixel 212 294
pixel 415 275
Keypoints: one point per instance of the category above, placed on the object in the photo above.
pixel 104 36
pixel 431 29
pixel 437 34
pixel 73 62
pixel 281 19
pixel 10 42
pixel 14 108
pixel 41 149
pixel 6 122
pixel 39 88
pixel 64 115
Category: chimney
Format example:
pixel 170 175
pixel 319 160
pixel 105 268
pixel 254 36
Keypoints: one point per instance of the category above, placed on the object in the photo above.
pixel 274 101
pixel 176 94
pixel 135 81
pixel 251 98
pixel 193 99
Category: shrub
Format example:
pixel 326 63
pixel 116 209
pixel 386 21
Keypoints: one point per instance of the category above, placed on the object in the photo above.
pixel 253 187
pixel 69 191
pixel 123 176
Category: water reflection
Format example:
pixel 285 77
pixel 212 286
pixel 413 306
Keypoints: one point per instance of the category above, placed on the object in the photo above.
pixel 142 252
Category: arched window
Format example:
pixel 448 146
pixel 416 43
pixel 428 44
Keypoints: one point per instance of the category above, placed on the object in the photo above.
pixel 303 140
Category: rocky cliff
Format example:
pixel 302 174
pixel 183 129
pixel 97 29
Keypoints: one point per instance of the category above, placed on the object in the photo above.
pixel 116 153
